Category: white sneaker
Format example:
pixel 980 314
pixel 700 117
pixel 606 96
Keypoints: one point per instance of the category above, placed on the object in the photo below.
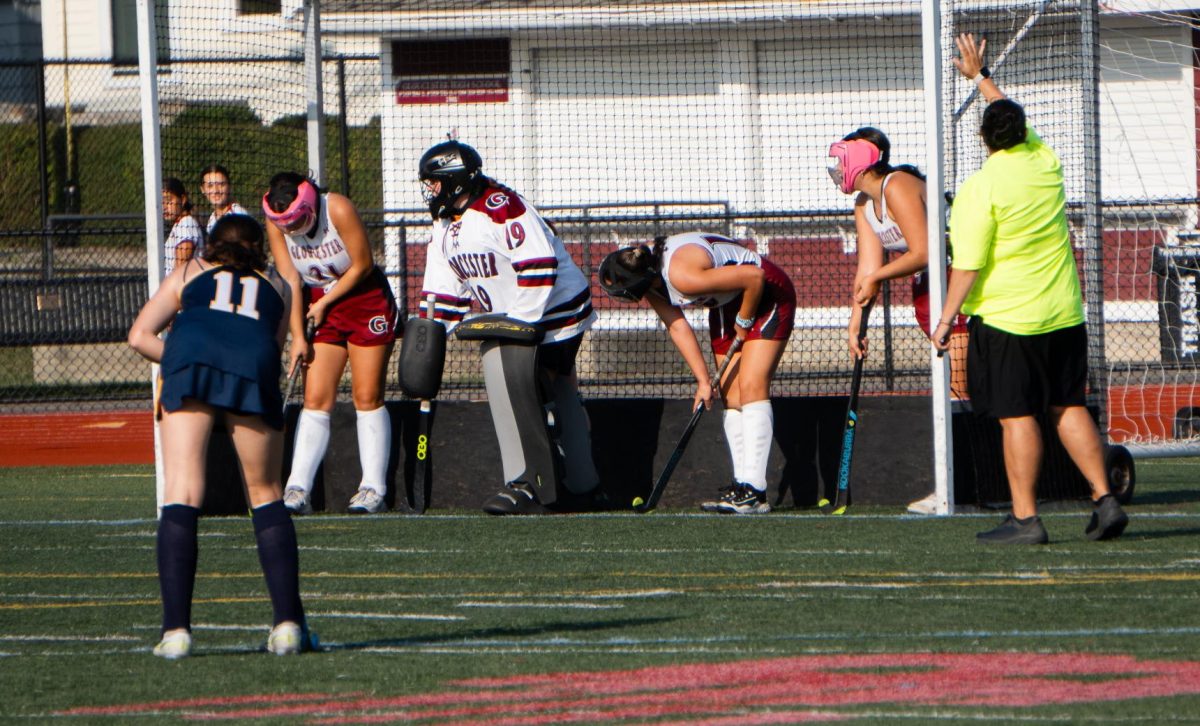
pixel 928 505
pixel 297 500
pixel 367 501
pixel 175 644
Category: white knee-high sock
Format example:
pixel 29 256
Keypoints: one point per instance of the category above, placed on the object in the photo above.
pixel 734 428
pixel 312 439
pixel 374 445
pixel 758 427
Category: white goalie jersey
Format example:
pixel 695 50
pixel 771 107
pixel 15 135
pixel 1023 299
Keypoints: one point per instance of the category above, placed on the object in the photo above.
pixel 502 254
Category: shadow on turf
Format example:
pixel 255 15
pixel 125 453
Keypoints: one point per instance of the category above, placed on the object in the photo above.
pixel 577 627
pixel 1171 496
pixel 1189 532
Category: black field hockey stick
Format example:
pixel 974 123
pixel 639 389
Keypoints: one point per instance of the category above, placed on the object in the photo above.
pixel 851 426
pixel 660 484
pixel 309 328
pixel 422 487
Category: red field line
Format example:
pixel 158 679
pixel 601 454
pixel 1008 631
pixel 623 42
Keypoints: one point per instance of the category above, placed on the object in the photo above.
pixel 77 439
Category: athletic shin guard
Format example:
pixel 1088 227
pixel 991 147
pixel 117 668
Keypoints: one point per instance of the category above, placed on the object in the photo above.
pixel 308 449
pixel 280 559
pixel 758 426
pixel 374 445
pixel 731 420
pixel 177 555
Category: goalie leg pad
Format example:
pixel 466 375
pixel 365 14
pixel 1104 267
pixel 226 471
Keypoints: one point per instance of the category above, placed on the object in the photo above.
pixel 422 358
pixel 510 375
pixel 574 436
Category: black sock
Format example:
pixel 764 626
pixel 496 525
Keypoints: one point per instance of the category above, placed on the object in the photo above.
pixel 280 559
pixel 177 555
pixel 1027 520
pixel 1100 501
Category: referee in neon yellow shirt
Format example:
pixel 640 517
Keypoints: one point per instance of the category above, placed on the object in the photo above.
pixel 1014 273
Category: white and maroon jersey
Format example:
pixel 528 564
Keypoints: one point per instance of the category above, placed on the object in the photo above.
pixel 501 254
pixel 886 229
pixel 234 208
pixel 186 229
pixel 721 250
pixel 320 257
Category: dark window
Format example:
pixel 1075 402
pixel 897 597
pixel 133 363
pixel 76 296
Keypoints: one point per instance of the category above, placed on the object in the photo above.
pixel 462 57
pixel 124 24
pixel 260 7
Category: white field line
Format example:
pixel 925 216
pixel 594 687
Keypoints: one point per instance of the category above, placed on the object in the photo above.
pixel 534 604
pixel 317 616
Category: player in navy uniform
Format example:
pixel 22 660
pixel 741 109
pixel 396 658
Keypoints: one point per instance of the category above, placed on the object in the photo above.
pixel 320 246
pixel 748 298
pixel 228 318
pixel 489 245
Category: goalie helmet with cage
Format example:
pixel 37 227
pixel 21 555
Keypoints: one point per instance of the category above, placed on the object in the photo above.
pixel 459 170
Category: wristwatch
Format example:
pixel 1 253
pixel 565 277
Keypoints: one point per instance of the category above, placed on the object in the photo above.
pixel 983 73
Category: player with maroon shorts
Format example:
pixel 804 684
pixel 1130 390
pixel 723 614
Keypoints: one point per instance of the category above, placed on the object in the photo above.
pixel 748 298
pixel 320 247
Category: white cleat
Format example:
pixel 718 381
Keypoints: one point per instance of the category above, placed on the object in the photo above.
pixel 288 638
pixel 367 501
pixel 297 501
pixel 175 644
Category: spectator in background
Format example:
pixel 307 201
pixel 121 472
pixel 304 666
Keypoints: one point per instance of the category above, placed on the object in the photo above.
pixel 749 299
pixel 1014 273
pixel 186 239
pixel 222 363
pixel 889 216
pixel 216 185
pixel 320 247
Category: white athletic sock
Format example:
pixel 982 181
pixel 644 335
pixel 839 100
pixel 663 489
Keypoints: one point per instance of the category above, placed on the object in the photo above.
pixel 374 445
pixel 732 420
pixel 758 427
pixel 311 441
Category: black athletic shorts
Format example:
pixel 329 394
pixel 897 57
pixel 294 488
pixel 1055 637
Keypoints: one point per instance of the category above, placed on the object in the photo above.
pixel 559 357
pixel 1023 375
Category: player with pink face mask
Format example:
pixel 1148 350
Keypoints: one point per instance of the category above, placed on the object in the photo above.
pixel 320 247
pixel 889 218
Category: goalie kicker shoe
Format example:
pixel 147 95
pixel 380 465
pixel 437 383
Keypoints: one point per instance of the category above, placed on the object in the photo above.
pixel 297 501
pixel 367 501
pixel 743 499
pixel 174 645
pixel 515 498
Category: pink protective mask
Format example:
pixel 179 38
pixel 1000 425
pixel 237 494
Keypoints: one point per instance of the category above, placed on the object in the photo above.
pixel 849 159
pixel 304 204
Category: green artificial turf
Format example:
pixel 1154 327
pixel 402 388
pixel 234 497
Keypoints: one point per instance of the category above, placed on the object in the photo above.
pixel 872 617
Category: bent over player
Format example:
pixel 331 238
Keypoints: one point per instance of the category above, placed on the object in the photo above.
pixel 221 361
pixel 749 299
pixel 320 246
pixel 491 246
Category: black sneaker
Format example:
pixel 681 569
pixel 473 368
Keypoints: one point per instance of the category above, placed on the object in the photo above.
pixel 1013 531
pixel 743 499
pixel 515 498
pixel 1108 519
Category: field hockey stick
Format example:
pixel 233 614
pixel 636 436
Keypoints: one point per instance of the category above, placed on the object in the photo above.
pixel 999 62
pixel 309 328
pixel 423 470
pixel 661 484
pixel 851 426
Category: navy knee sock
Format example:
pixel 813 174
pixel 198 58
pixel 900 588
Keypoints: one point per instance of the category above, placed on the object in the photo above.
pixel 280 559
pixel 177 555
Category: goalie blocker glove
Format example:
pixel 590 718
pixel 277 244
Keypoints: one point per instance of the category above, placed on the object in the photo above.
pixel 499 327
